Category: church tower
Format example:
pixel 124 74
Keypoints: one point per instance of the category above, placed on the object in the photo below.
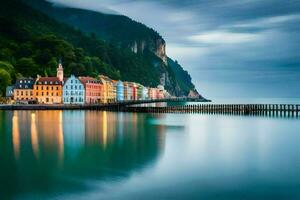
pixel 60 71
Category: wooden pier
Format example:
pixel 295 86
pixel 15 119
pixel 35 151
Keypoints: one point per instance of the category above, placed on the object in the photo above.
pixel 289 110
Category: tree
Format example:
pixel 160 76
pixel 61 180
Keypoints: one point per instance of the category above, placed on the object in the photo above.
pixel 5 80
pixel 27 66
pixel 7 66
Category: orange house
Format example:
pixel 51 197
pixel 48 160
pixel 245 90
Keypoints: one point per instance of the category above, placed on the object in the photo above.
pixel 48 90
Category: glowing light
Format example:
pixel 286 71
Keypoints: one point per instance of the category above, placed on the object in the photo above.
pixel 60 139
pixel 34 136
pixel 16 135
pixel 104 129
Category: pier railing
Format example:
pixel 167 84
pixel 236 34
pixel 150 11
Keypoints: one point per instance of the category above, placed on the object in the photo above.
pixel 292 110
pixel 234 109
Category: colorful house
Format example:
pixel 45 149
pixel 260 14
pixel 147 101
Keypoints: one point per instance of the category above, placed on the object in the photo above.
pixel 145 93
pixel 152 93
pixel 10 92
pixel 127 91
pixel 23 91
pixel 120 91
pixel 93 89
pixel 109 89
pixel 48 90
pixel 73 91
pixel 140 89
pixel 133 88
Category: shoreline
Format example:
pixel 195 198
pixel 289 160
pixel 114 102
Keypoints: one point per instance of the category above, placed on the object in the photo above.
pixel 109 106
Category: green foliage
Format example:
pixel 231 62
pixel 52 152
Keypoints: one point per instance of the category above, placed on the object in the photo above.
pixel 5 80
pixel 32 42
pixel 27 66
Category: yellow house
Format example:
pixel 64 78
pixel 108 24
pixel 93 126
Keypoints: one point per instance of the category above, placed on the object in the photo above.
pixel 23 91
pixel 109 90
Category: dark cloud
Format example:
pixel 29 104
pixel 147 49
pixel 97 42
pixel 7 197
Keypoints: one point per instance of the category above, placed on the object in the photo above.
pixel 230 47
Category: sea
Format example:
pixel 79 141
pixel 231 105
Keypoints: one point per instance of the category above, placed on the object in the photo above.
pixel 115 155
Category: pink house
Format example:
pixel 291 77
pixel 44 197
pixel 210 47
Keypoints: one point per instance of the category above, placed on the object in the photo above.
pixel 93 89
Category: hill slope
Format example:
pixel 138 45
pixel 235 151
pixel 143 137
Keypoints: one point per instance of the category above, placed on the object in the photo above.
pixel 123 32
pixel 31 42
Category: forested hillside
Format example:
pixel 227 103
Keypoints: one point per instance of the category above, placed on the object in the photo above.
pixel 31 43
pixel 123 32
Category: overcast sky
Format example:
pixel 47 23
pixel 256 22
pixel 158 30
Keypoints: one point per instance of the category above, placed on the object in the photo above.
pixel 232 48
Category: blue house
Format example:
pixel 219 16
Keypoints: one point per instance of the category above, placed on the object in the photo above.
pixel 120 91
pixel 73 91
pixel 10 91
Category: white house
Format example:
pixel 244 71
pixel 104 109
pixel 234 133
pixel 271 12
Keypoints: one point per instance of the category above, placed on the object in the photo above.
pixel 73 91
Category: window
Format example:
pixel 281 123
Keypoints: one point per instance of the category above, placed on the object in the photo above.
pixel 56 88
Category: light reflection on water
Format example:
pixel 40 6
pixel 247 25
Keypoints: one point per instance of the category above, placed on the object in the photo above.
pixel 105 155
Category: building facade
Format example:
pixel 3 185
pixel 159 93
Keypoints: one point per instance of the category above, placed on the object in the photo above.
pixel 48 90
pixel 152 93
pixel 93 90
pixel 9 92
pixel 109 89
pixel 23 91
pixel 133 88
pixel 73 91
pixel 145 94
pixel 120 91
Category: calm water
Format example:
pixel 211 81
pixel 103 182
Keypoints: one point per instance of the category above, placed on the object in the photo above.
pixel 103 155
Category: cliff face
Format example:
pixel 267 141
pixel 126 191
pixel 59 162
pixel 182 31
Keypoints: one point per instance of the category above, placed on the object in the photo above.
pixel 157 46
pixel 124 33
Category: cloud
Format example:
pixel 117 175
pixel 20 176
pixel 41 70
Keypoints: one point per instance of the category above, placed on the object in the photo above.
pixel 223 37
pixel 244 43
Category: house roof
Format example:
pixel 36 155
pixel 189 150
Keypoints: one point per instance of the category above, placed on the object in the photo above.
pixel 105 78
pixel 86 79
pixel 24 83
pixel 48 81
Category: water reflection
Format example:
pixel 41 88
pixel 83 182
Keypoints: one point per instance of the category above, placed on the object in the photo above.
pixel 58 152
